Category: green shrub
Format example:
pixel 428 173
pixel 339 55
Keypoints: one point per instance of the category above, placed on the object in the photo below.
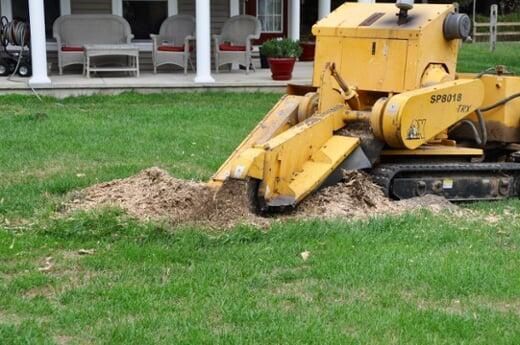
pixel 281 48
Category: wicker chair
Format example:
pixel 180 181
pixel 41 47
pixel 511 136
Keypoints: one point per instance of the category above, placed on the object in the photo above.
pixel 173 43
pixel 73 32
pixel 234 44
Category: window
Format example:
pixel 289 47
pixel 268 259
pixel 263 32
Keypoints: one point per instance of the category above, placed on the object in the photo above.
pixel 145 16
pixel 52 11
pixel 270 14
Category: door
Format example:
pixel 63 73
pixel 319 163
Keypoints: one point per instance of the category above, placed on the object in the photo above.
pixel 273 16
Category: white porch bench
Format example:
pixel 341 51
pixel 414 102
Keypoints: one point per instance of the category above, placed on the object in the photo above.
pixel 74 32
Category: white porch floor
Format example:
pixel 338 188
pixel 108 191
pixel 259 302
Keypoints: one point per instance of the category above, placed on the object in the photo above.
pixel 236 80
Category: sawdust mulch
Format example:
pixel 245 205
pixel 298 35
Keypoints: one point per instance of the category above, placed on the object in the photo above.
pixel 153 194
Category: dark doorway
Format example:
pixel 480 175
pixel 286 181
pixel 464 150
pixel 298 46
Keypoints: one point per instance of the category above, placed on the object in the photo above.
pixel 145 17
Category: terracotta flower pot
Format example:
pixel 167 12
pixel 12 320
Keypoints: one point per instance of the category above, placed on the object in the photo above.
pixel 281 68
pixel 308 49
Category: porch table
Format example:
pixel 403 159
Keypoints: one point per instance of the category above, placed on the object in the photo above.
pixel 131 51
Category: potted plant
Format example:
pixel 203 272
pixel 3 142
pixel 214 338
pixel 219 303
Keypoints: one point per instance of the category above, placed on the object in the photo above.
pixel 308 48
pixel 282 55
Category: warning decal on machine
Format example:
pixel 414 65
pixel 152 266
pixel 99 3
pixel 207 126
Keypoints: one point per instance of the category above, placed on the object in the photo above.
pixel 447 183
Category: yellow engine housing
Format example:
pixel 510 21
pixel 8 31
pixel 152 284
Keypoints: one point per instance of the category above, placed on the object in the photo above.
pixel 372 53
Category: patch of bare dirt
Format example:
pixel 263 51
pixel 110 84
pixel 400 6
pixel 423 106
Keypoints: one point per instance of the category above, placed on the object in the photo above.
pixel 40 291
pixel 468 305
pixel 155 195
pixel 9 318
pixel 63 339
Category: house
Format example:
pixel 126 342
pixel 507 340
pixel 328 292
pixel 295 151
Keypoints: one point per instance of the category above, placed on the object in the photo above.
pixel 279 18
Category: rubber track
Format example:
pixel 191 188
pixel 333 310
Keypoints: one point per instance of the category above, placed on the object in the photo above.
pixel 383 174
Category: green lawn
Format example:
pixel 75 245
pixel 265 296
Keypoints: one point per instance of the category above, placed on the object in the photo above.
pixel 44 145
pixel 478 57
pixel 414 279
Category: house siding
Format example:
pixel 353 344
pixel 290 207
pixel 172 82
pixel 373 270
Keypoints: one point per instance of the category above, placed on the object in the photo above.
pixel 91 6
pixel 219 12
pixel 219 15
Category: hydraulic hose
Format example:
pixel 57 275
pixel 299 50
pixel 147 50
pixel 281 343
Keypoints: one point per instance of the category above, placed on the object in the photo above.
pixel 481 139
pixel 483 129
pixel 490 70
pixel 488 108
pixel 497 70
pixel 500 103
pixel 471 125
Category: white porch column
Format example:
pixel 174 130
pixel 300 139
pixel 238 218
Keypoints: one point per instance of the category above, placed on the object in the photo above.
pixel 38 44
pixel 323 8
pixel 234 8
pixel 6 9
pixel 117 7
pixel 294 19
pixel 173 7
pixel 203 27
pixel 65 7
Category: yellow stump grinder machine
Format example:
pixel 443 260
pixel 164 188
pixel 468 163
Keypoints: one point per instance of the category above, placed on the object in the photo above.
pixel 386 99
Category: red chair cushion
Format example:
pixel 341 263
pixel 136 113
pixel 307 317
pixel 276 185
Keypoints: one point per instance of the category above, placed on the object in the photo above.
pixel 172 48
pixel 72 49
pixel 228 47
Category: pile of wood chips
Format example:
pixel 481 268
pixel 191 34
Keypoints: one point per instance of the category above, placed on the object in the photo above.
pixel 153 194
